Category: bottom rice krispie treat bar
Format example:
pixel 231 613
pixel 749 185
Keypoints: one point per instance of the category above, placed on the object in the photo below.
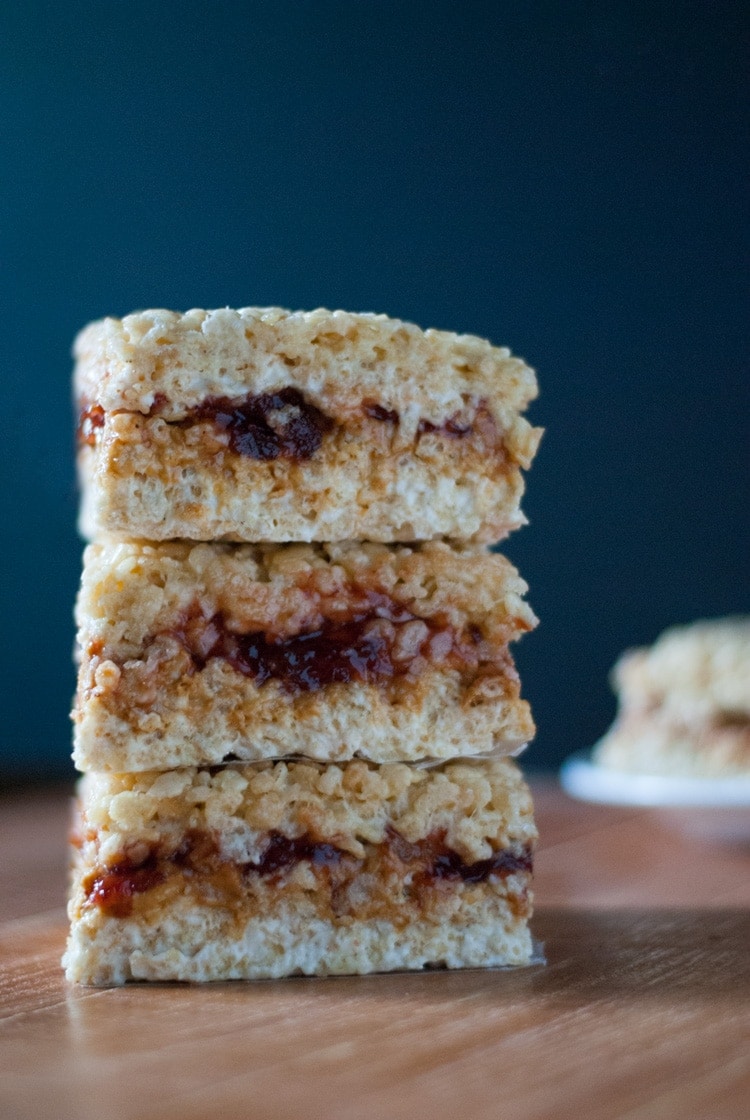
pixel 281 868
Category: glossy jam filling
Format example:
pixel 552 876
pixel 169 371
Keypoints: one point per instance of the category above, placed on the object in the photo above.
pixel 114 888
pixel 450 427
pixel 283 424
pixel 366 648
pixel 425 864
pixel 89 420
pixel 280 425
pixel 378 412
pixel 732 720
pixel 438 861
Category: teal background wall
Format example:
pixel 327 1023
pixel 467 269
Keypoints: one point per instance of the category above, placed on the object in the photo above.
pixel 567 179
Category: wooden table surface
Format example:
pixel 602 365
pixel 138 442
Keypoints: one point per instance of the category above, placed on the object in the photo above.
pixel 641 1011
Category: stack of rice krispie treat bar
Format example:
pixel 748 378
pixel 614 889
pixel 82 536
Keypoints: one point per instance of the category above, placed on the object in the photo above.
pixel 296 706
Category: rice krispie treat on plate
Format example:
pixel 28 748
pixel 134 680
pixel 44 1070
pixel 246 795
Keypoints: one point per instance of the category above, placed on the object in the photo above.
pixel 684 704
pixel 273 869
pixel 193 654
pixel 262 424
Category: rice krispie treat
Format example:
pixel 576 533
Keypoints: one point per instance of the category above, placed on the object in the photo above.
pixel 193 654
pixel 262 424
pixel 684 703
pixel 291 867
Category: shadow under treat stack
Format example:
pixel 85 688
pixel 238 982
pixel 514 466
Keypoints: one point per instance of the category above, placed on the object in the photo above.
pixel 296 703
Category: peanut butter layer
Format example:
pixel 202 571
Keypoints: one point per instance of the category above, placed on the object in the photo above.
pixel 328 651
pixel 394 880
pixel 437 861
pixel 262 424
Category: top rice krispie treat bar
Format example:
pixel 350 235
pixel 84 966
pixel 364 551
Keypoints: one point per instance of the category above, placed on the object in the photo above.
pixel 263 424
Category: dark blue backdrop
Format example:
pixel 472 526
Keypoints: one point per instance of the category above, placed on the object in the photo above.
pixel 564 178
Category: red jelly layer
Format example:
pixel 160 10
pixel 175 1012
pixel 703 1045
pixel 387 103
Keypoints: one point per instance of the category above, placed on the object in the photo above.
pixel 378 412
pixel 89 421
pixel 114 888
pixel 337 653
pixel 280 425
pixel 449 427
pixel 425 862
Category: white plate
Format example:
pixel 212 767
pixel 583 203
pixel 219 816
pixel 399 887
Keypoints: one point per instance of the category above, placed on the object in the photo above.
pixel 582 778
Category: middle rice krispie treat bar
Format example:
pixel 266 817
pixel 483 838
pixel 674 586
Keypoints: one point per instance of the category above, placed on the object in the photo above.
pixel 193 654
pixel 282 868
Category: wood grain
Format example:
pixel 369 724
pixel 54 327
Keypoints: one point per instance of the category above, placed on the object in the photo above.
pixel 641 1010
